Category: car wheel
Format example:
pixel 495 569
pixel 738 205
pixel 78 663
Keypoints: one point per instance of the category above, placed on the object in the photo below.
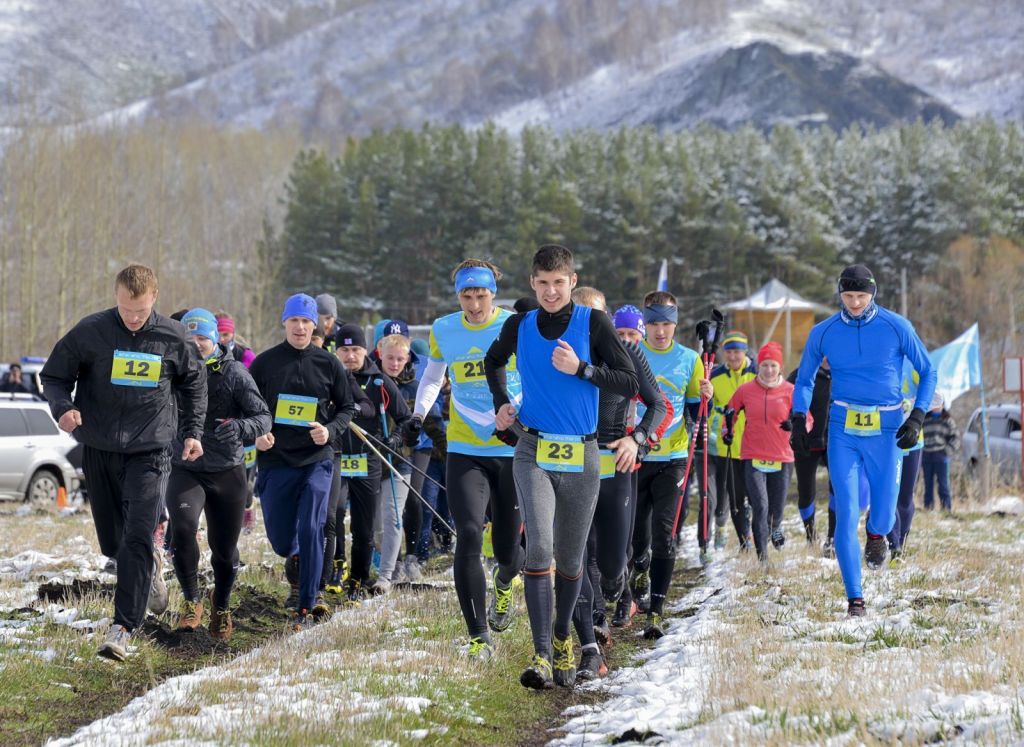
pixel 42 488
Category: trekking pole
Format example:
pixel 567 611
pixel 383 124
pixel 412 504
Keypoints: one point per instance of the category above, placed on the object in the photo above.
pixel 385 400
pixel 362 435
pixel 392 452
pixel 708 334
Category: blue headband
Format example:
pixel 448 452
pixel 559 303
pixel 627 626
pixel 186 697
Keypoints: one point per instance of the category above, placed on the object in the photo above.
pixel 661 313
pixel 475 277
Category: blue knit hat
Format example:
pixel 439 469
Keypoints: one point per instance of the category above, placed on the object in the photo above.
pixel 201 322
pixel 300 305
pixel 630 317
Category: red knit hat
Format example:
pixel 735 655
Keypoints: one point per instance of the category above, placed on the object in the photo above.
pixel 225 324
pixel 771 351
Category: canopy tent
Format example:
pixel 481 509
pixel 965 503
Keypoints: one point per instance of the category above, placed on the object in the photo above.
pixel 775 303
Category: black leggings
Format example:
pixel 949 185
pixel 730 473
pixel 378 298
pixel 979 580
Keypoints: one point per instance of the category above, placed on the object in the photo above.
pixel 412 518
pixel 334 541
pixel 731 484
pixel 363 494
pixel 221 495
pixel 476 484
pixel 656 501
pixel 767 491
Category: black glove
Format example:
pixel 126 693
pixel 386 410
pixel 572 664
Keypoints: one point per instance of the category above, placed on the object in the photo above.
pixel 228 430
pixel 395 441
pixel 786 425
pixel 727 420
pixel 366 408
pixel 413 428
pixel 910 431
pixel 507 437
pixel 798 437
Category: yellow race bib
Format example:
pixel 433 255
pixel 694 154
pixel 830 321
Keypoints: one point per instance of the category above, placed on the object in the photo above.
pixel 607 463
pixel 763 465
pixel 354 465
pixel 250 456
pixel 294 409
pixel 469 371
pixel 135 369
pixel 560 453
pixel 863 421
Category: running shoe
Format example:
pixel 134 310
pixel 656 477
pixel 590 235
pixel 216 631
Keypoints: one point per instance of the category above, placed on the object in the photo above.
pixel 354 592
pixel 320 607
pixel 115 645
pixel 602 632
pixel 809 531
pixel 291 574
pixel 221 625
pixel 502 609
pixel 705 556
pixel 640 584
pixel 301 621
pixel 778 538
pixel 335 583
pixel 158 600
pixel 478 648
pixel 412 569
pixel 563 661
pixel 624 611
pixel 538 675
pixel 592 665
pixel 856 608
pixel 895 556
pixel 875 550
pixel 190 615
pixel 655 627
pixel 828 549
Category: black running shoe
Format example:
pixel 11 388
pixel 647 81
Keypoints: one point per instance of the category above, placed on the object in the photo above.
pixel 856 608
pixel 778 538
pixel 875 550
pixel 592 665
pixel 655 627
pixel 624 611
pixel 602 632
pixel 563 661
pixel 810 531
pixel 538 676
pixel 828 548
pixel 291 574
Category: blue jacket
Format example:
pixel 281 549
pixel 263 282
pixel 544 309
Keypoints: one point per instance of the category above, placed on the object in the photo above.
pixel 865 355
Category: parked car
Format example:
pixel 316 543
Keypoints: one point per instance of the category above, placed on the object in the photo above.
pixel 1004 441
pixel 34 452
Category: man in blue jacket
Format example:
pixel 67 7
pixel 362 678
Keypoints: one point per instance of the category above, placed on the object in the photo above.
pixel 865 346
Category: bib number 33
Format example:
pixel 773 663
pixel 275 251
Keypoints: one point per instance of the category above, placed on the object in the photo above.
pixel 560 453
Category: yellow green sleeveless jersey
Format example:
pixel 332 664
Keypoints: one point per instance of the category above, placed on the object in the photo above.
pixel 678 372
pixel 726 382
pixel 462 346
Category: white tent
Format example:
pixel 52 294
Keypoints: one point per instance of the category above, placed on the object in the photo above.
pixel 759 316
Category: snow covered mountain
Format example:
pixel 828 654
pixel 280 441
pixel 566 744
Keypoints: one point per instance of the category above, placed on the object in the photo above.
pixel 353 65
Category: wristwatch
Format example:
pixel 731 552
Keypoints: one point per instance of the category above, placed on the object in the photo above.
pixel 588 372
pixel 639 436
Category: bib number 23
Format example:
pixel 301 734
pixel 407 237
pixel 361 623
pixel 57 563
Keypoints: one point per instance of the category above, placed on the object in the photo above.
pixel 560 453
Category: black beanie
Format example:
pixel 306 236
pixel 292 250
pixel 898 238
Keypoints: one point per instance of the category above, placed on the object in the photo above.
pixel 349 335
pixel 857 279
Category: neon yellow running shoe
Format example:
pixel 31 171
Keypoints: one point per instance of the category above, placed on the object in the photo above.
pixel 502 608
pixel 564 661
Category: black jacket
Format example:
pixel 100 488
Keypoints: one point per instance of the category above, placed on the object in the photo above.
pixel 613 409
pixel 232 395
pixel 310 372
pixel 377 388
pixel 127 419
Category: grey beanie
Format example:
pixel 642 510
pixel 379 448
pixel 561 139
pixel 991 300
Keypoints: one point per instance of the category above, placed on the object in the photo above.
pixel 326 305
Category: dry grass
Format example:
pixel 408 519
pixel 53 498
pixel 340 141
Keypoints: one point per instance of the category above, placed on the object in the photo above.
pixel 788 666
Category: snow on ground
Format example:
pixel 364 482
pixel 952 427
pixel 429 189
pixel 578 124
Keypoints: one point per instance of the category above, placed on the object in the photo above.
pixel 930 628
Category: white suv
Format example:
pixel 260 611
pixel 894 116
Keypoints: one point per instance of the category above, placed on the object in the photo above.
pixel 33 452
